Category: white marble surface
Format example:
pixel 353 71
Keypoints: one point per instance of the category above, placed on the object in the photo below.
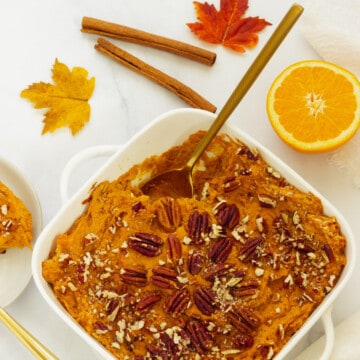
pixel 36 32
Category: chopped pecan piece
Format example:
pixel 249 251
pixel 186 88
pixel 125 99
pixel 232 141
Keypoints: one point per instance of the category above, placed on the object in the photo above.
pixel 266 351
pixel 176 303
pixel 248 251
pixel 220 250
pixel 231 183
pixel 204 299
pixel 244 341
pixel 146 244
pixel 127 299
pixel 100 328
pixel 267 201
pixel 279 223
pixel 112 308
pixel 137 207
pixel 262 225
pixel 175 341
pixel 227 215
pixel 147 302
pixel 245 171
pixel 195 262
pixel 135 275
pixel 252 154
pixel 200 338
pixel 168 213
pixel 329 252
pixel 156 352
pixel 302 245
pixel 199 226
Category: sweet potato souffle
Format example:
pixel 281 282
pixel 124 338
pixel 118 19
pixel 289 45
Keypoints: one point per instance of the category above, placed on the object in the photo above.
pixel 15 221
pixel 231 273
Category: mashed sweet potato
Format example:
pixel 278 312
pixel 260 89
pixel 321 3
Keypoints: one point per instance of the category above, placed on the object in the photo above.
pixel 231 273
pixel 15 221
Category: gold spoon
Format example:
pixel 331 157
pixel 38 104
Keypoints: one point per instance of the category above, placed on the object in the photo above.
pixel 178 182
pixel 39 350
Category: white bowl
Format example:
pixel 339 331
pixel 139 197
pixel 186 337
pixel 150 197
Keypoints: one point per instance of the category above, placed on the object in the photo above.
pixel 171 129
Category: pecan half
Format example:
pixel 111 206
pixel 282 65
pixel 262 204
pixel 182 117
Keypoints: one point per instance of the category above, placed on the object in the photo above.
pixel 195 262
pixel 164 277
pixel 231 183
pixel 220 250
pixel 168 213
pixel 174 248
pixel 204 299
pixel 147 302
pixel 200 337
pixel 227 215
pixel 176 303
pixel 171 347
pixel 199 226
pixel 135 275
pixel 146 244
pixel 247 288
pixel 248 251
pixel 243 319
pixel 217 270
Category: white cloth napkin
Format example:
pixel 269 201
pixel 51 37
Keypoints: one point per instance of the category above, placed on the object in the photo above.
pixel 332 27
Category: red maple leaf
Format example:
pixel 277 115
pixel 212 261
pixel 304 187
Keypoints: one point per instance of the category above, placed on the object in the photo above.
pixel 227 26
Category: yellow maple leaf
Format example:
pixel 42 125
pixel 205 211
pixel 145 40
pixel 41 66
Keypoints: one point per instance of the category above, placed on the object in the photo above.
pixel 67 99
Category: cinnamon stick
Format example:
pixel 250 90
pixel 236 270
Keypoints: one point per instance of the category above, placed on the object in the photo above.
pixel 121 32
pixel 182 91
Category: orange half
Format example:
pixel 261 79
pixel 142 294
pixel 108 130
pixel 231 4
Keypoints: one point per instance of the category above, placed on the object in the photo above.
pixel 314 106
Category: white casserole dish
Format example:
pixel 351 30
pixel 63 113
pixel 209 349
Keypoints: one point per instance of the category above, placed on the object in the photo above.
pixel 170 129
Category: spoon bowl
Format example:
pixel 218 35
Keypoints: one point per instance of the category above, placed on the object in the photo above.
pixel 175 183
pixel 178 182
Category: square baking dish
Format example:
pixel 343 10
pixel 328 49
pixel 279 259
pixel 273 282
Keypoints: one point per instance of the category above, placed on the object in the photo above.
pixel 166 131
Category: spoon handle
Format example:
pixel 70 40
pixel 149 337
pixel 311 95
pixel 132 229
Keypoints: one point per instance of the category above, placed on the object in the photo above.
pixel 248 79
pixel 32 344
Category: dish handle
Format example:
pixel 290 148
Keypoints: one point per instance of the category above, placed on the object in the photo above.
pixel 81 157
pixel 322 348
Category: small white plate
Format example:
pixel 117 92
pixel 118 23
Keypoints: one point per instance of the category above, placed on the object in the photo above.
pixel 15 264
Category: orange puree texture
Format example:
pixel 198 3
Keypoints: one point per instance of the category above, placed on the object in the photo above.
pixel 231 273
pixel 15 221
